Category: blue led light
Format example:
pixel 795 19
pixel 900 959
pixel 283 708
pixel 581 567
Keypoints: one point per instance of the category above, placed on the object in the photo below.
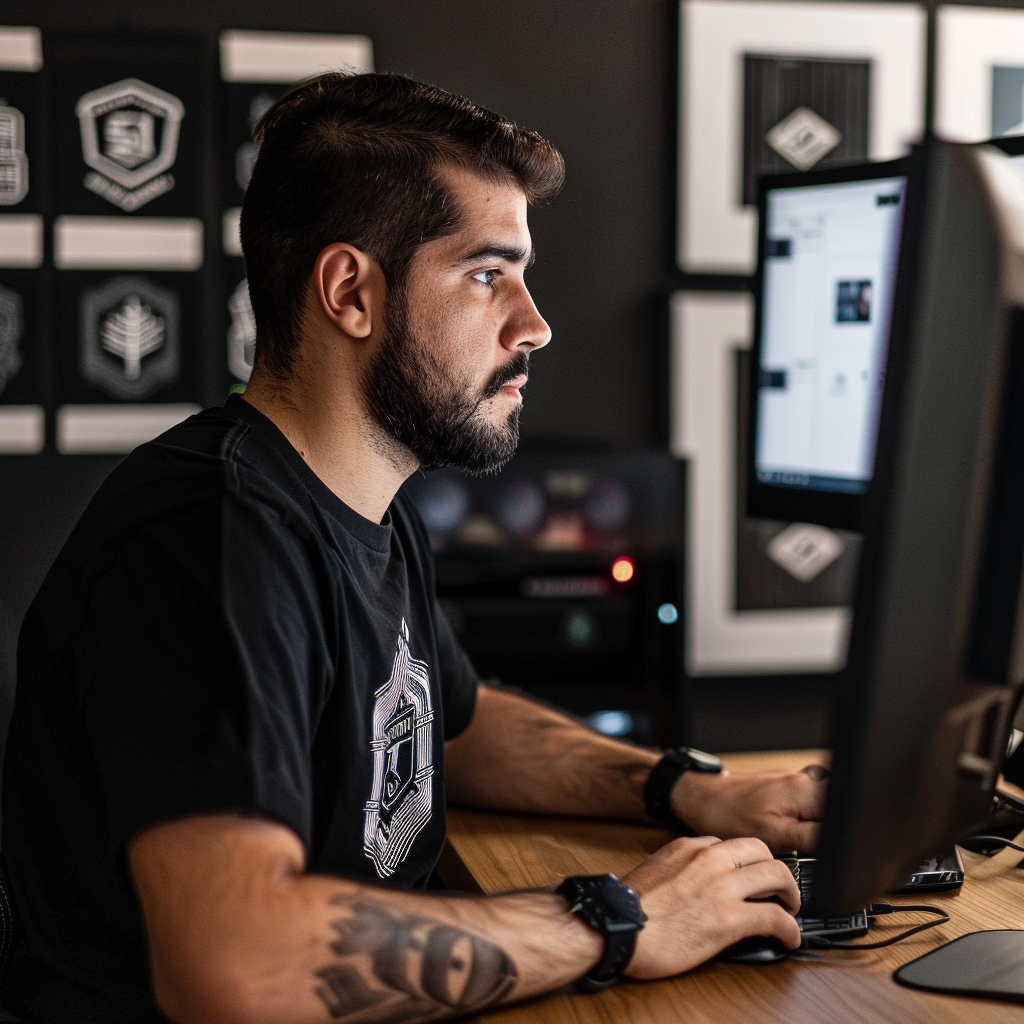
pixel 611 723
pixel 668 613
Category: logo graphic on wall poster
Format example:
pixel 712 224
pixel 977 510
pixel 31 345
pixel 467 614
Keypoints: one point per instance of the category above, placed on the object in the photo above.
pixel 803 138
pixel 401 801
pixel 241 333
pixel 11 327
pixel 130 337
pixel 802 112
pixel 13 161
pixel 129 139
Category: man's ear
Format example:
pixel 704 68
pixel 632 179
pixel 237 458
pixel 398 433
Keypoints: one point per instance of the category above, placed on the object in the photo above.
pixel 349 287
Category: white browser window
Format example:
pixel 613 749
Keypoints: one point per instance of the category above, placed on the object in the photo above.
pixel 829 276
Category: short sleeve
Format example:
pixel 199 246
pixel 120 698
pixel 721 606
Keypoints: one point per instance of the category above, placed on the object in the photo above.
pixel 459 680
pixel 199 670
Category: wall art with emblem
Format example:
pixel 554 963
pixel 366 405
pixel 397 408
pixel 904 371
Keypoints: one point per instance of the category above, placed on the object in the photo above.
pixel 256 68
pixel 762 597
pixel 771 87
pixel 126 115
pixel 23 363
pixel 131 341
pixel 979 80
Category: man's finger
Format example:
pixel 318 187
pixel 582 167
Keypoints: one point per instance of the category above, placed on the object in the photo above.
pixel 766 880
pixel 771 919
pixel 809 796
pixel 798 836
pixel 743 851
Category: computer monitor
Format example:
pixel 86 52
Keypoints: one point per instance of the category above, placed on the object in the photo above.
pixel 829 244
pixel 936 653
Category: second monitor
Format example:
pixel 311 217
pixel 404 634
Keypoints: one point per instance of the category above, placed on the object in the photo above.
pixel 828 252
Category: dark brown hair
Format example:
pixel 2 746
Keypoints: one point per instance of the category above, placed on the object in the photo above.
pixel 356 158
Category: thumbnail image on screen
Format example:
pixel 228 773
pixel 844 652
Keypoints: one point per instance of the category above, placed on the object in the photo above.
pixel 829 274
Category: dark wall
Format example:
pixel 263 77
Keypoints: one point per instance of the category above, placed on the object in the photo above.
pixel 599 86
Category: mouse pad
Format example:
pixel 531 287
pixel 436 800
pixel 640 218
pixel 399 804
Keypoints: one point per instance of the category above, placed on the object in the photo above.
pixel 979 964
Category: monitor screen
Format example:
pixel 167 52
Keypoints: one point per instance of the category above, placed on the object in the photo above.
pixel 827 278
pixel 829 271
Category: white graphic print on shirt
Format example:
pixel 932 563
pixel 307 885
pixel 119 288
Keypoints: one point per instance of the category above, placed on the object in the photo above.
pixel 400 803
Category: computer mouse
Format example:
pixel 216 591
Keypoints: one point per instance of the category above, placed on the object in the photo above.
pixel 758 949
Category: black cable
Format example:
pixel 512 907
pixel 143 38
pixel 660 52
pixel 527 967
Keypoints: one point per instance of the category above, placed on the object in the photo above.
pixel 878 910
pixel 1008 800
pixel 991 840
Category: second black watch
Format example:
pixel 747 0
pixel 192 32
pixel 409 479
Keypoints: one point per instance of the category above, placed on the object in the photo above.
pixel 658 789
pixel 612 908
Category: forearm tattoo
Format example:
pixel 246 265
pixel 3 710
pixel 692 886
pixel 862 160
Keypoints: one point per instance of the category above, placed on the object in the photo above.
pixel 394 967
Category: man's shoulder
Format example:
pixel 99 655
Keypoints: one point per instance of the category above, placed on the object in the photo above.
pixel 196 474
pixel 191 464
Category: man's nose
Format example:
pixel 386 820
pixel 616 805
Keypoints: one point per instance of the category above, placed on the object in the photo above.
pixel 526 328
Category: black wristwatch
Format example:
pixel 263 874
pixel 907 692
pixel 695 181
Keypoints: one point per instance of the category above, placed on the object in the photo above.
pixel 658 788
pixel 613 909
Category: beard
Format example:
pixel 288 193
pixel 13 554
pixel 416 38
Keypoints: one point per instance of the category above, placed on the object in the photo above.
pixel 426 408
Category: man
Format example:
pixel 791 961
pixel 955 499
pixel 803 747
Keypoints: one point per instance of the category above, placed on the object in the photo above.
pixel 227 770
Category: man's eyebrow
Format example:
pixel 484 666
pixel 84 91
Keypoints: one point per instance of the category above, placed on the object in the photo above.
pixel 510 254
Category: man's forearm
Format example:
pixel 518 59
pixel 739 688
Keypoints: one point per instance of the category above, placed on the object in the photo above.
pixel 405 958
pixel 521 756
pixel 238 933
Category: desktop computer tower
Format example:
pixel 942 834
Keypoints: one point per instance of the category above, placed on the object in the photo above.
pixel 562 576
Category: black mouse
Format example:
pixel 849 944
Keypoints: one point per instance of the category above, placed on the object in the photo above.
pixel 758 949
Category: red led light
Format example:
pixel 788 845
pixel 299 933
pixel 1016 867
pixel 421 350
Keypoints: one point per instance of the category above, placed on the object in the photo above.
pixel 622 570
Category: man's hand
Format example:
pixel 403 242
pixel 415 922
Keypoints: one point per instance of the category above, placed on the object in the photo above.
pixel 696 894
pixel 783 810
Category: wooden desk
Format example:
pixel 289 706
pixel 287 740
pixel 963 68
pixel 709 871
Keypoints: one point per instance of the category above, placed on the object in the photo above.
pixel 497 852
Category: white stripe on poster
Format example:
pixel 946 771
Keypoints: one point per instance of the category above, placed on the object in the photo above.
pixel 21 48
pixel 122 243
pixel 114 429
pixel 21 240
pixel 22 429
pixel 283 57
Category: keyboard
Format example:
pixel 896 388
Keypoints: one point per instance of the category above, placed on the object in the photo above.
pixel 837 928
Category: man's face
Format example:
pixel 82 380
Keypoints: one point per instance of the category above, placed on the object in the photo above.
pixel 445 381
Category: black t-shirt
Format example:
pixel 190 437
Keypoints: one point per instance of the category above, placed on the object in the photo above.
pixel 219 632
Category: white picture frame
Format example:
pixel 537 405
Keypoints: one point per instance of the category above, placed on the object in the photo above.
pixel 715 233
pixel 707 328
pixel 970 41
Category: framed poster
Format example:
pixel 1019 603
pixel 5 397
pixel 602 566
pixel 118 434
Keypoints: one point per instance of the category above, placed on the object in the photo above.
pixel 23 357
pixel 979 77
pixel 737 623
pixel 126 115
pixel 768 87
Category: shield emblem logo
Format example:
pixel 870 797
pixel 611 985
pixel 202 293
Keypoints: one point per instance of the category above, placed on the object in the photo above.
pixel 130 337
pixel 399 756
pixel 129 139
pixel 11 327
pixel 401 801
pixel 13 161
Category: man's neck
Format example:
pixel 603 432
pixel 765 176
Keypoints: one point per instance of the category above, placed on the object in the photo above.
pixel 338 440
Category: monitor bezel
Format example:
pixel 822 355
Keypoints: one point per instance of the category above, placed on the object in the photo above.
pixel 1011 145
pixel 836 509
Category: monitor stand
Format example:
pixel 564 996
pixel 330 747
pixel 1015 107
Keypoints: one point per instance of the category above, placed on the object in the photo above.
pixel 976 964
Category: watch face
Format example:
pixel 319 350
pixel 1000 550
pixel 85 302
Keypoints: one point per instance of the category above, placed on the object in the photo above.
pixel 622 899
pixel 702 762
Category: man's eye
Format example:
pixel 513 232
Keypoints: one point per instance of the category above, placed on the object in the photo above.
pixel 485 276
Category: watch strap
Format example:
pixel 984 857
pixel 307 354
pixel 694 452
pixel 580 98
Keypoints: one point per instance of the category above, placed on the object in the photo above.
pixel 658 791
pixel 590 901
